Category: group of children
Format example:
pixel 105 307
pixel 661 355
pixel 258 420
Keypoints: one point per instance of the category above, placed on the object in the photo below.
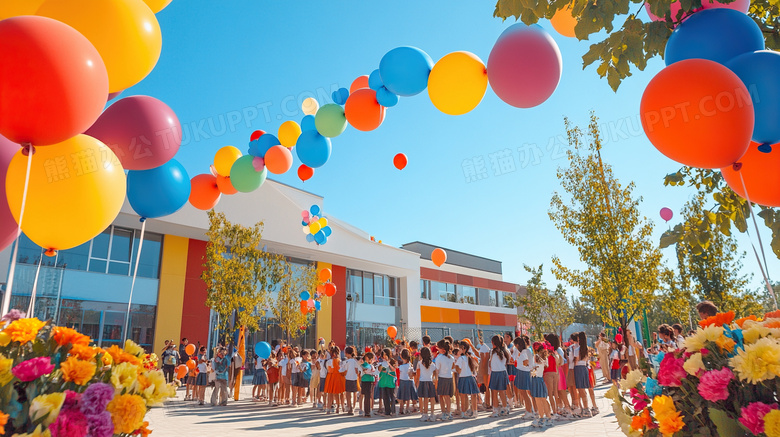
pixel 508 373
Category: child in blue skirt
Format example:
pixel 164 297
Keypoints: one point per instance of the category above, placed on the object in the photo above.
pixel 406 390
pixel 538 387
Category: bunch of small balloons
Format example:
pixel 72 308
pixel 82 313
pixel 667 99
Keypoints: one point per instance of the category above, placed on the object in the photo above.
pixel 312 302
pixel 315 227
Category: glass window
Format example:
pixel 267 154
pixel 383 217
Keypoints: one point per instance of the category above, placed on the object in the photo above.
pixel 118 268
pixel 368 287
pixel 355 285
pixel 91 324
pixel 113 322
pixel 29 252
pixel 390 290
pixel 443 291
pixel 467 294
pixel 149 267
pixel 100 245
pixel 75 258
pixel 507 299
pixel 424 289
pixel 97 265
pixel 379 291
pixel 120 244
pixel 486 297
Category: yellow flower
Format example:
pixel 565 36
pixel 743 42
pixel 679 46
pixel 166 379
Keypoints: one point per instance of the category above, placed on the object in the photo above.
pixel 47 406
pixel 133 349
pixel 694 364
pixel 106 359
pixel 153 387
pixel 613 393
pixel 24 330
pixel 124 375
pixel 670 424
pixel 78 371
pixel 127 413
pixel 758 361
pixel 772 423
pixel 6 364
pixel 725 344
pixel 633 378
pixel 624 420
pixel 663 406
pixel 5 339
pixel 39 432
pixel 754 332
pixel 698 340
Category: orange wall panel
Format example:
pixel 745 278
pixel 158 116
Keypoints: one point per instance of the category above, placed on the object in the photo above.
pixel 450 315
pixel 431 314
pixel 481 318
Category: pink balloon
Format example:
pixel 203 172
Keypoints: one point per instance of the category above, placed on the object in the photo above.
pixel 143 132
pixel 737 5
pixel 525 66
pixel 305 214
pixel 666 214
pixel 310 303
pixel 258 163
pixel 8 226
pixel 676 6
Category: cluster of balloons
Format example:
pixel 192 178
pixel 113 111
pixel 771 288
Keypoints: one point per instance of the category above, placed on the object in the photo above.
pixel 315 226
pixel 62 61
pixel 312 302
pixel 727 118
pixel 375 240
pixel 439 257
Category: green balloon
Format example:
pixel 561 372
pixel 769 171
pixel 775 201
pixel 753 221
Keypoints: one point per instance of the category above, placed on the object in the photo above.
pixel 244 177
pixel 330 120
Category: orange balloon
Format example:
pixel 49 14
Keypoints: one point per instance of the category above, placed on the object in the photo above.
pixel 191 364
pixel 392 331
pixel 707 122
pixel 330 289
pixel 204 192
pixel 321 289
pixel 362 110
pixel 439 257
pixel 359 83
pixel 325 275
pixel 760 173
pixel 400 161
pixel 190 349
pixel 181 371
pixel 563 22
pixel 397 341
pixel 278 159
pixel 225 186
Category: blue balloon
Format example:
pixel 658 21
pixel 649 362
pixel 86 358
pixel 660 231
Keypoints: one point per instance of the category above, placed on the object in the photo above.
pixel 340 96
pixel 160 191
pixel 715 34
pixel 308 123
pixel 305 295
pixel 313 149
pixel 385 98
pixel 303 223
pixel 263 350
pixel 375 80
pixel 309 238
pixel 760 72
pixel 315 210
pixel 405 70
pixel 320 238
pixel 327 231
pixel 317 305
pixel 261 145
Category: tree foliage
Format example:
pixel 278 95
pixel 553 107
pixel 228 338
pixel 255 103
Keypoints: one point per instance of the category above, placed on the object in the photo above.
pixel 584 313
pixel 286 308
pixel 238 272
pixel 629 41
pixel 601 218
pixel 547 310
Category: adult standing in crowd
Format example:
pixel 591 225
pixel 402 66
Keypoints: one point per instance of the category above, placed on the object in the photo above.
pixel 602 347
pixel 220 366
pixel 170 359
pixel 678 337
pixel 183 355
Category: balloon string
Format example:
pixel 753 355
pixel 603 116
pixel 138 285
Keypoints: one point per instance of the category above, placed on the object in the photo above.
pixel 12 268
pixel 764 272
pixel 135 274
pixel 31 307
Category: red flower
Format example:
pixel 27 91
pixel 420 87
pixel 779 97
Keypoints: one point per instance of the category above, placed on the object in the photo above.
pixel 671 371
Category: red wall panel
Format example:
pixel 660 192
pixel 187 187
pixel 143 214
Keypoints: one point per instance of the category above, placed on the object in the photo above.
pixel 195 313
pixel 339 319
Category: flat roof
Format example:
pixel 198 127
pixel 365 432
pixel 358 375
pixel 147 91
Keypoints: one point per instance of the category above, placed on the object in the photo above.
pixel 456 257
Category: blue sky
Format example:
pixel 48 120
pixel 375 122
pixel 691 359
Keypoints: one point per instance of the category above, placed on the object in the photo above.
pixel 228 68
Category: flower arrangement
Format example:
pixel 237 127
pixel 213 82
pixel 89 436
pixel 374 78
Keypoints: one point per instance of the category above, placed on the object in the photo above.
pixel 54 383
pixel 724 382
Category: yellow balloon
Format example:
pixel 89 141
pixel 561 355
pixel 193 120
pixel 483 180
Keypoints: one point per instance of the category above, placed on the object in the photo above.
pixel 76 190
pixel 289 132
pixel 457 83
pixel 125 33
pixel 314 227
pixel 323 222
pixel 157 5
pixel 14 8
pixel 225 158
pixel 310 106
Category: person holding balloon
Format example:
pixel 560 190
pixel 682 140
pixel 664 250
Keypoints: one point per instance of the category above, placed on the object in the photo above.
pixel 202 380
pixel 259 380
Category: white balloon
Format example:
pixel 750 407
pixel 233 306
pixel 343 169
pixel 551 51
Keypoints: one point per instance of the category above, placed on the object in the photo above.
pixel 306 230
pixel 310 106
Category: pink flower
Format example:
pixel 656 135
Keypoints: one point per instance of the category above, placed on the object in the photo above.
pixel 671 371
pixel 32 369
pixel 704 351
pixel 639 399
pixel 71 423
pixel 714 385
pixel 753 416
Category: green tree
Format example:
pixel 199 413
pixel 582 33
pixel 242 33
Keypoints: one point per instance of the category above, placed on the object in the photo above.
pixel 584 312
pixel 546 310
pixel 286 308
pixel 238 272
pixel 601 218
pixel 633 42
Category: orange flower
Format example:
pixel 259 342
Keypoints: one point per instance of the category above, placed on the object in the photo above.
pixel 671 423
pixel 772 315
pixel 143 431
pixel 85 353
pixel 725 344
pixel 741 321
pixel 772 324
pixel 80 372
pixel 63 336
pixel 719 319
pixel 120 356
pixel 3 421
pixel 642 421
pixel 143 382
pixel 24 330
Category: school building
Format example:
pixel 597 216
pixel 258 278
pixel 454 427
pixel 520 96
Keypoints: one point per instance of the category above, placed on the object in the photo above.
pixel 88 287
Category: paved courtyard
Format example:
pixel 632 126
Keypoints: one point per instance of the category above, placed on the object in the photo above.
pixel 245 418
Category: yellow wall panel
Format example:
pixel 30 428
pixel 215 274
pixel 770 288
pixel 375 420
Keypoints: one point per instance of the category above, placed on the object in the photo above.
pixel 170 298
pixel 325 314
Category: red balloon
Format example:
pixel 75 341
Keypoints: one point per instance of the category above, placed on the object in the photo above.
pixel 143 132
pixel 619 338
pixel 8 226
pixel 359 83
pixel 330 289
pixel 53 82
pixel 707 122
pixel 362 110
pixel 256 134
pixel 305 172
pixel 400 161
pixel 204 192
pixel 761 173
